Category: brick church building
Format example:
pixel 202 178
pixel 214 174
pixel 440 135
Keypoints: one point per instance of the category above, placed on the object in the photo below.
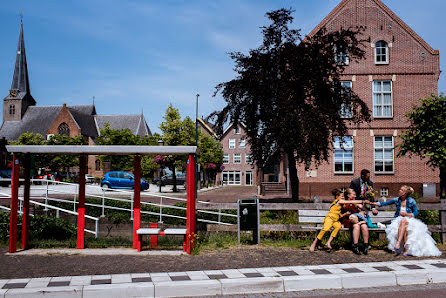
pixel 21 115
pixel 400 68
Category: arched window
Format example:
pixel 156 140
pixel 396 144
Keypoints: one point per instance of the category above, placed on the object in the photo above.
pixel 381 52
pixel 11 109
pixel 63 129
pixel 98 164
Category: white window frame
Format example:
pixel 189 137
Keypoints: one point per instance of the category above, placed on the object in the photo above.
pixel 226 175
pixel 242 143
pixel 342 148
pixel 226 158
pixel 341 57
pixel 231 143
pixel 383 149
pixel 248 178
pixel 237 130
pixel 346 111
pixel 384 192
pixel 248 159
pixel 385 47
pixel 380 94
pixel 237 158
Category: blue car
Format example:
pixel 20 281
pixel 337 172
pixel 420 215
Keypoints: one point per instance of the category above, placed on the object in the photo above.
pixel 118 179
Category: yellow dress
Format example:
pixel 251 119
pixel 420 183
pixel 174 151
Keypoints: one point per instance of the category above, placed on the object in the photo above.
pixel 331 220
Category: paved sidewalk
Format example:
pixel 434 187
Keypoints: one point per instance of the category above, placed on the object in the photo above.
pixel 231 281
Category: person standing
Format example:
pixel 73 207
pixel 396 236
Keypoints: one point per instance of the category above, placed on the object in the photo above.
pixel 361 184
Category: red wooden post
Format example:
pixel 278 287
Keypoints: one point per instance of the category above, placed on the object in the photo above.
pixel 190 212
pixel 153 238
pixel 81 203
pixel 136 200
pixel 14 203
pixel 25 216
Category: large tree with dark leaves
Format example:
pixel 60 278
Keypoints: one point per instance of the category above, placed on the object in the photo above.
pixel 289 95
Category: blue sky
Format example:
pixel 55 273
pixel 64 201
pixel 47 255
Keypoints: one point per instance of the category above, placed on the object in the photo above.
pixel 140 55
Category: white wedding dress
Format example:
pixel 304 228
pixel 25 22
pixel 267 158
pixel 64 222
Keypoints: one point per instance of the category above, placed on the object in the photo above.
pixel 419 241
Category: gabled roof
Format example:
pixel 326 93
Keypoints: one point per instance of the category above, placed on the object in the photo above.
pixel 208 126
pixel 136 123
pixel 35 120
pixel 387 10
pixel 39 119
pixel 230 126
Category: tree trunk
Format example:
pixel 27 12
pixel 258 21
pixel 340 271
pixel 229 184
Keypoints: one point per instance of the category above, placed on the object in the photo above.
pixel 294 179
pixel 442 183
pixel 174 176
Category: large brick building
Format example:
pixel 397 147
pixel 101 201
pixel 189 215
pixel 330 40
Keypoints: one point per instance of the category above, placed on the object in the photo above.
pixel 21 115
pixel 399 69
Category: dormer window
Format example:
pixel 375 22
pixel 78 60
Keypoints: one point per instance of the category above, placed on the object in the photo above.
pixel 11 109
pixel 64 129
pixel 381 52
pixel 237 130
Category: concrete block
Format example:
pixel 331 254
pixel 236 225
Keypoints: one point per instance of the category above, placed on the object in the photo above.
pixel 252 285
pixel 197 275
pixel 233 273
pixel 248 270
pixel 363 280
pixel 437 276
pixel 311 282
pixel 143 289
pixel 56 292
pixel 121 278
pixel 412 277
pixel 80 280
pixel 187 288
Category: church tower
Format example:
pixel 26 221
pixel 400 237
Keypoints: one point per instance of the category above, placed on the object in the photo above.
pixel 19 97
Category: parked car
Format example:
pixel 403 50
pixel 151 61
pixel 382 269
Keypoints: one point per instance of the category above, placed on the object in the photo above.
pixel 168 179
pixel 119 179
pixel 5 177
pixel 89 178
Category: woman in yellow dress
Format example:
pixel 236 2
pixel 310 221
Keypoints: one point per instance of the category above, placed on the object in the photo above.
pixel 332 219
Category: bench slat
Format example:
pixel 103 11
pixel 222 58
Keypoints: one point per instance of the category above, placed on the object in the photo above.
pixel 175 231
pixel 148 231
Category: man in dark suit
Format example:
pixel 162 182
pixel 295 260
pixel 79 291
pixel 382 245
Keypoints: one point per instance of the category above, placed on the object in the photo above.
pixel 360 183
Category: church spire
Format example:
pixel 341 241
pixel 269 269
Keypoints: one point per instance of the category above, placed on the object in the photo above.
pixel 20 80
pixel 16 103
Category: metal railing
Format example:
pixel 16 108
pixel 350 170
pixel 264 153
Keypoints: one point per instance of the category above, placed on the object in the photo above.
pixel 71 189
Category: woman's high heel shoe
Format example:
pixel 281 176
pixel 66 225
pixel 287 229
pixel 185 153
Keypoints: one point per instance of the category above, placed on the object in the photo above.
pixel 397 251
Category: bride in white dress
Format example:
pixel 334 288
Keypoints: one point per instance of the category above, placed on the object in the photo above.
pixel 406 234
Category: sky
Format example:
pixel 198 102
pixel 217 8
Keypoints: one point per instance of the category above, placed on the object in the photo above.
pixel 138 56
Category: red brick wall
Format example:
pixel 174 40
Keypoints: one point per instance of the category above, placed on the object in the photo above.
pixel 243 167
pixel 413 69
pixel 64 116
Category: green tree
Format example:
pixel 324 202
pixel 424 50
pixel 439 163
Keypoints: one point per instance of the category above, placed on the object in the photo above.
pixel 426 135
pixel 118 137
pixel 210 157
pixel 174 133
pixel 289 94
pixel 58 162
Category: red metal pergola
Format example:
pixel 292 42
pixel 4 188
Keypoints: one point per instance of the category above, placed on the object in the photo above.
pixel 83 152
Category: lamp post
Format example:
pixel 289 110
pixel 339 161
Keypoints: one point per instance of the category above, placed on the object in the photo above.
pixel 196 144
pixel 196 121
pixel 160 143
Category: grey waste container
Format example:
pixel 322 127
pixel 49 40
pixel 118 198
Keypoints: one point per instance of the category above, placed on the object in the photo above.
pixel 248 218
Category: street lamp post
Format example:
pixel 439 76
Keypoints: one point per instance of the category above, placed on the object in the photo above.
pixel 197 179
pixel 160 143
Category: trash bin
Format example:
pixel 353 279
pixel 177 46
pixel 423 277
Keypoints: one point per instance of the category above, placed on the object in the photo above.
pixel 248 218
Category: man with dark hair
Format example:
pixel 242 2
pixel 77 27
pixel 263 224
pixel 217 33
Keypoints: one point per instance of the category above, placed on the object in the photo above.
pixel 359 184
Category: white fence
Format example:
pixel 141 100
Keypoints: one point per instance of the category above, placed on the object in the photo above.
pixel 51 191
